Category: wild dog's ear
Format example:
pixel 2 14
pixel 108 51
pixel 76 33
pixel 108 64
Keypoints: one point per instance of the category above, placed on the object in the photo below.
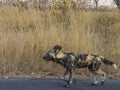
pixel 57 48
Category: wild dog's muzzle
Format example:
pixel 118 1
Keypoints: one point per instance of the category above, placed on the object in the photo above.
pixel 46 58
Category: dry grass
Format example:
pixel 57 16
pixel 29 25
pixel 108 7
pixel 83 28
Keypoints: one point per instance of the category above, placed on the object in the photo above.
pixel 26 35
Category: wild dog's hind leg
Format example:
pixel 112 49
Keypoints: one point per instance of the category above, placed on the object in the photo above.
pixel 100 76
pixel 96 79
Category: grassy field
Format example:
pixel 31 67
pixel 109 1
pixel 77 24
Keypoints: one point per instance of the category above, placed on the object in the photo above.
pixel 27 34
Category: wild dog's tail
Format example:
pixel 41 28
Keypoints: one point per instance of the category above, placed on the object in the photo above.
pixel 108 62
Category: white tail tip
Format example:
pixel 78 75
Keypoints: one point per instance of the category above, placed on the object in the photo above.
pixel 115 66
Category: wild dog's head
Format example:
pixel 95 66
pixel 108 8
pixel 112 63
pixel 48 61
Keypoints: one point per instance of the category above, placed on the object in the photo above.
pixel 54 53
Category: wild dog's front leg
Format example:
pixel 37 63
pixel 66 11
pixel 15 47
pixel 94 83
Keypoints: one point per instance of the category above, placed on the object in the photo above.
pixel 103 79
pixel 69 82
pixel 69 79
pixel 100 76
pixel 96 81
pixel 64 75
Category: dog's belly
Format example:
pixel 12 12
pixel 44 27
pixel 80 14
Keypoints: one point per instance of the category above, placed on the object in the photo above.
pixel 81 65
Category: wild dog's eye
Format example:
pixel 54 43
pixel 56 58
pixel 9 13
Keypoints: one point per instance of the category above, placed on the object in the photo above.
pixel 51 53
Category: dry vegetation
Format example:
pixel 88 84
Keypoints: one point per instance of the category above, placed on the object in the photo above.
pixel 26 35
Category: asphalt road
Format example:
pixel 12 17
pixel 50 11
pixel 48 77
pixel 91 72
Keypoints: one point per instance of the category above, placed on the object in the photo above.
pixel 55 84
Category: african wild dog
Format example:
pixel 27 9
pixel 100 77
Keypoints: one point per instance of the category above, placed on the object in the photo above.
pixel 71 61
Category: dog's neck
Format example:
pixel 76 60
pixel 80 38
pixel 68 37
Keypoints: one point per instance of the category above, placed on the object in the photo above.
pixel 60 55
pixel 62 62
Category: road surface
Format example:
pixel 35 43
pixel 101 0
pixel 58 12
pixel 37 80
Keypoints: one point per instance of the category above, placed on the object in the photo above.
pixel 55 84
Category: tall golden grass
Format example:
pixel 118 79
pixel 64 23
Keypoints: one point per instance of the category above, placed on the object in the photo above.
pixel 27 34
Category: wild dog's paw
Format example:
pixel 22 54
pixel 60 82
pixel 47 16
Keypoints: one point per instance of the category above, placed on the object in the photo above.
pixel 63 78
pixel 93 84
pixel 70 82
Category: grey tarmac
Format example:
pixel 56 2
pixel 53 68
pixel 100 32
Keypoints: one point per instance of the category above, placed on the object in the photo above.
pixel 55 84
